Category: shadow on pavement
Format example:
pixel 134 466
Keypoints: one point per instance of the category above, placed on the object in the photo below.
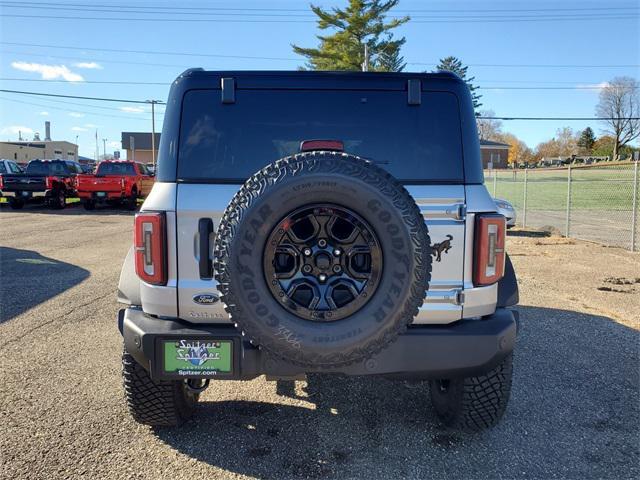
pixel 71 209
pixel 528 233
pixel 574 412
pixel 27 279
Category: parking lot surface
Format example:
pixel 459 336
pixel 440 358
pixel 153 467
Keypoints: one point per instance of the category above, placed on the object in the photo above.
pixel 574 412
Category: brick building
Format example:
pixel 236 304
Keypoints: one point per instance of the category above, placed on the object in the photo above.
pixel 494 154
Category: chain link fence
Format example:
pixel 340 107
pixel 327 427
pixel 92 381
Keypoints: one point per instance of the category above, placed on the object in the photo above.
pixel 592 202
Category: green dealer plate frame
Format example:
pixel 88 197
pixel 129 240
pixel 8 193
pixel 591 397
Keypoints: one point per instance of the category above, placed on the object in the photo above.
pixel 196 357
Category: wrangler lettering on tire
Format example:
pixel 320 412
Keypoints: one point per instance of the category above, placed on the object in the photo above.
pixel 322 258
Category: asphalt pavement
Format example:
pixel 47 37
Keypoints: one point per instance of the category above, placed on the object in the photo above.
pixel 574 411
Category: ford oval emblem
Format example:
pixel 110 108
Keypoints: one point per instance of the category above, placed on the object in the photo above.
pixel 205 298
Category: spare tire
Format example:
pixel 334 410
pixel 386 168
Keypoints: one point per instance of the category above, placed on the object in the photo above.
pixel 322 259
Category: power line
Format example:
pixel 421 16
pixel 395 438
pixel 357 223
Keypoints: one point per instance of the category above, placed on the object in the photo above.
pixel 571 18
pixel 53 107
pixel 559 118
pixel 434 14
pixel 162 103
pixel 252 9
pixel 132 82
pixel 80 59
pixel 150 52
pixel 252 57
pixel 76 96
pixel 97 82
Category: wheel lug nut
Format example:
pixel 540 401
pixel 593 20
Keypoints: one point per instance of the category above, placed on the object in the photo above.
pixel 306 269
pixel 337 268
pixel 322 243
pixel 337 252
pixel 322 277
pixel 307 251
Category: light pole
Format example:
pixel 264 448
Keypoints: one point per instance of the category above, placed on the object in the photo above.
pixel 104 148
pixel 153 130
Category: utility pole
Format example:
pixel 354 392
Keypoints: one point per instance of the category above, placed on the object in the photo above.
pixel 104 148
pixel 365 64
pixel 153 130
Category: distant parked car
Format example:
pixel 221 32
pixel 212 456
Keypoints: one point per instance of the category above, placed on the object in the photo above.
pixel 48 181
pixel 115 182
pixel 506 209
pixel 8 167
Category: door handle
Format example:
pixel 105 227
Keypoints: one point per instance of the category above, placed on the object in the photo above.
pixel 205 229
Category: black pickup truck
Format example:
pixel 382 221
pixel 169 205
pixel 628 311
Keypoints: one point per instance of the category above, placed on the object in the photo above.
pixel 48 181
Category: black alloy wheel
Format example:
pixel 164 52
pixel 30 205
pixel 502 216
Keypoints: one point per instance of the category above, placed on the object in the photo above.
pixel 323 262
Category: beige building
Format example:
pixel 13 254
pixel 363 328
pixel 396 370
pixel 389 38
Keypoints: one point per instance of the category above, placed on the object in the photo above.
pixel 138 146
pixel 24 152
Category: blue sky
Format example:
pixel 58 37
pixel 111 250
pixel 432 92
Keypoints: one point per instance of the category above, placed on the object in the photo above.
pixel 601 34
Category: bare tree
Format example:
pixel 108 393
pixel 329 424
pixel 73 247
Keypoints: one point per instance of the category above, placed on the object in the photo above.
pixel 488 129
pixel 619 108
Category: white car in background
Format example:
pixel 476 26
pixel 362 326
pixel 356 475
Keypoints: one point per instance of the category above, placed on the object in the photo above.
pixel 506 209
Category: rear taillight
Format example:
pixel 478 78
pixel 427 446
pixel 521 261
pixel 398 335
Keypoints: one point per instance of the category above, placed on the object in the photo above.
pixel 489 249
pixel 1 183
pixel 48 183
pixel 122 183
pixel 149 241
pixel 311 145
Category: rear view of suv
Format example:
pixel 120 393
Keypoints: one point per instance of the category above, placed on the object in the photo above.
pixel 319 222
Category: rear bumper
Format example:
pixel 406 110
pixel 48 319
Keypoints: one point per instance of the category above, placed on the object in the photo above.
pixel 26 195
pixel 96 197
pixel 464 348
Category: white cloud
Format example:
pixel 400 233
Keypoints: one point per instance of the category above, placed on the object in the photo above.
pixel 132 109
pixel 15 129
pixel 76 114
pixel 88 65
pixel 44 113
pixel 78 129
pixel 592 86
pixel 49 72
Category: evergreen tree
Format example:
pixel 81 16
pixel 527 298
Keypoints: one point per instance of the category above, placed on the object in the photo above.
pixel 361 23
pixel 587 139
pixel 453 64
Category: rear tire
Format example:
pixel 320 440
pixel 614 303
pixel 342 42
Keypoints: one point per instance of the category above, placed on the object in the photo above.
pixel 132 200
pixel 58 201
pixel 155 402
pixel 473 404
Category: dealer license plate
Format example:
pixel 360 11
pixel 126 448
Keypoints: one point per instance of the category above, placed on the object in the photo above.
pixel 191 357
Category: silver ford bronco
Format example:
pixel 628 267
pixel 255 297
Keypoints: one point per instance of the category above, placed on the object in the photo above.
pixel 318 222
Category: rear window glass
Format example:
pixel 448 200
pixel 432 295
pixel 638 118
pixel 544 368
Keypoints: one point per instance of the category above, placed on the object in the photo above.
pixel 46 168
pixel 116 169
pixel 232 141
pixel 3 169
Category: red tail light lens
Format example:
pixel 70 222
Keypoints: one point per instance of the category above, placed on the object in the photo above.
pixel 149 241
pixel 1 183
pixel 489 249
pixel 310 145
pixel 48 183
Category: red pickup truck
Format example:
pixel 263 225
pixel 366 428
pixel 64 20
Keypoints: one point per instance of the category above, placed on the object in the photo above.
pixel 115 182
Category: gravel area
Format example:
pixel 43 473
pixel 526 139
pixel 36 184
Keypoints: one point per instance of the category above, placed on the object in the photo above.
pixel 574 412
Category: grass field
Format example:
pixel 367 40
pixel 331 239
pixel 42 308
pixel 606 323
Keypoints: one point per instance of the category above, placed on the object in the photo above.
pixel 603 189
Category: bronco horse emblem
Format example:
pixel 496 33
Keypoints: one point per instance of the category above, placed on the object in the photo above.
pixel 437 249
